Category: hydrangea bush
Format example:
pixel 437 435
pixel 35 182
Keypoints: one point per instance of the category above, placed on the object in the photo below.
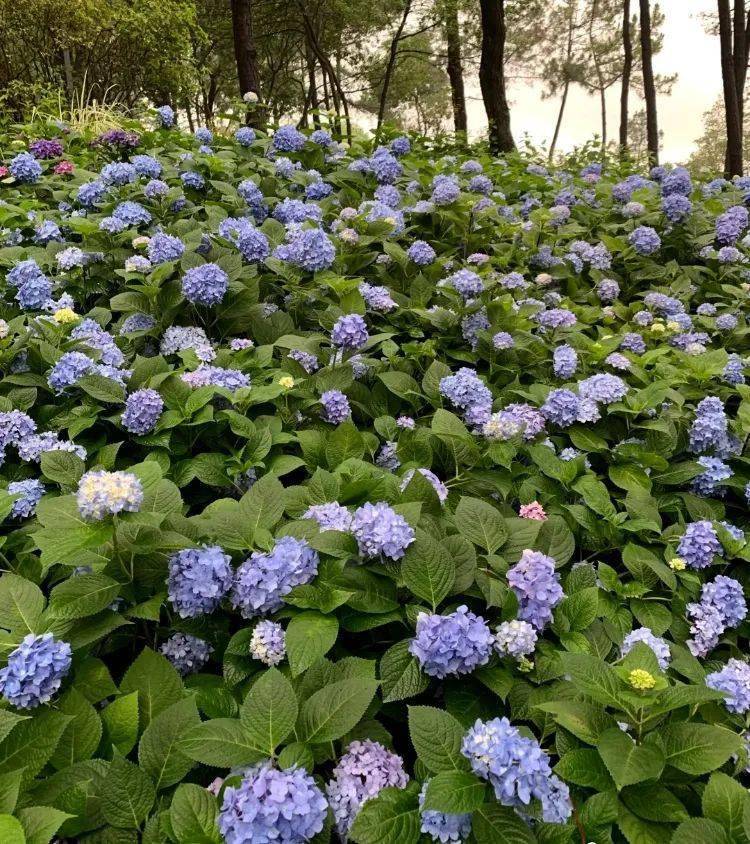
pixel 369 494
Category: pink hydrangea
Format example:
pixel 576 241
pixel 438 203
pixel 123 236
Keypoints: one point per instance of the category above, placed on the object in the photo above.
pixel 533 511
pixel 64 168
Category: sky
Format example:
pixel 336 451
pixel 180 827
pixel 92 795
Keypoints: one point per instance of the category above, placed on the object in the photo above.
pixel 688 51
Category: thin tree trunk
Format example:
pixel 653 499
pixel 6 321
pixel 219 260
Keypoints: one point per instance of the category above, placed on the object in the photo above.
pixel 246 56
pixel 627 67
pixel 649 87
pixel 739 61
pixel 731 106
pixel 566 88
pixel 189 113
pixel 392 55
pixel 68 65
pixel 454 66
pixel 312 82
pixel 492 75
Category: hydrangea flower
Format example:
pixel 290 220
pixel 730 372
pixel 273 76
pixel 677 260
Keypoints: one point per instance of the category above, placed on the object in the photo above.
pixel 658 645
pixel 378 530
pixel 142 411
pixel 206 284
pixel 330 516
pixel 163 247
pixel 187 653
pixel 268 643
pixel 451 644
pixel 734 681
pixel 515 638
pixel 361 774
pixel 270 805
pixel 265 578
pixel 30 493
pixel 35 670
pixel 537 586
pixel 335 407
pixel 309 249
pixel 25 168
pixel 350 332
pixel 699 544
pixel 440 826
pixel 421 253
pixel 198 580
pixel 101 494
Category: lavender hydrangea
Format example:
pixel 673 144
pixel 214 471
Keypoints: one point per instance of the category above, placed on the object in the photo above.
pixel 564 361
pixel 645 240
pixel 722 605
pixel 440 826
pixel 206 284
pixel 265 578
pixel 379 530
pixel 734 681
pixel 198 580
pixel 421 253
pixel 268 643
pixel 536 584
pixel 699 544
pixel 658 645
pixel 336 407
pixel 451 644
pixel 29 494
pixel 350 332
pixel 35 670
pixel 142 411
pixel 187 653
pixel 101 494
pixel 270 805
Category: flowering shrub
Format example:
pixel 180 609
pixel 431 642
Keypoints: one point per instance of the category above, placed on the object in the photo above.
pixel 369 495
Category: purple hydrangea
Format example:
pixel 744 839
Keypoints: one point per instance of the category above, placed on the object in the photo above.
pixel 163 247
pixel 377 298
pixel 722 605
pixel 266 577
pixel 699 544
pixel 336 407
pixel 361 774
pixel 707 483
pixel 29 494
pixel 467 283
pixel 516 767
pixel 198 580
pixel 330 516
pixel 502 341
pixel 206 284
pixel 187 653
pixel 676 207
pixel 350 332
pixel 166 116
pixel 25 168
pixel 451 644
pixel 269 805
pixel 731 224
pixel 35 670
pixel 676 181
pixel 564 361
pixel 253 245
pixel 142 411
pixel 307 361
pixel 561 407
pixel 556 318
pixel 445 190
pixel 288 139
pixel 443 827
pixel 658 645
pixel 387 457
pixel 244 136
pixel 131 213
pixel 268 642
pixel 734 681
pixel 603 388
pixel 421 253
pixel 710 429
pixel 378 530
pixel 633 342
pixel 645 240
pixel 309 249
pixel 465 389
pixel 734 371
pixel 537 586
pixel 46 148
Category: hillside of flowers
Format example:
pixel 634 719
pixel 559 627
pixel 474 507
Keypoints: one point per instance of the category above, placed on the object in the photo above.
pixel 369 494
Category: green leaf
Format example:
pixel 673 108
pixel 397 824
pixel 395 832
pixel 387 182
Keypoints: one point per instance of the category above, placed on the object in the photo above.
pixel 583 766
pixel 40 823
pixel 269 712
pixel 342 443
pixel 11 831
pixel 81 737
pixel 82 596
pixel 159 751
pixel 400 674
pixel 580 608
pixel 309 636
pixel 726 801
pixel 700 831
pixel 400 384
pixel 654 803
pixel 627 761
pixel 698 748
pixel 157 682
pixel 596 496
pixel 193 815
pixel 127 794
pixel 437 736
pixel 32 742
pixel 10 785
pixel 428 570
pixel 390 818
pixel 593 677
pixel 63 467
pixel 481 523
pixel 586 721
pixel 65 534
pixel 102 389
pixel 120 720
pixel 334 710
pixel 222 742
pixel 454 792
pixel 496 824
pixel 21 604
pixel 263 506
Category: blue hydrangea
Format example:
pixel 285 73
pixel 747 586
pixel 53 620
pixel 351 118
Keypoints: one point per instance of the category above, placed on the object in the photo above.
pixel 336 407
pixel 515 638
pixel 203 135
pixel 451 644
pixel 658 645
pixel 517 768
pixel 265 578
pixel 734 371
pixel 206 284
pixel 15 426
pixel 561 407
pixel 187 653
pixel 645 240
pixel 155 188
pixel 245 136
pixel 387 457
pixel 330 516
pixel 146 165
pixel 379 530
pixel 536 584
pixel 465 389
pixel 361 774
pixel 35 293
pixel 192 179
pixel 35 670
pixel 269 805
pixel 288 139
pixel 731 224
pixel 564 361
pixel 268 643
pixel 164 247
pixel 386 167
pixel 166 116
pixel 25 168
pixel 350 332
pixel 445 190
pixel 46 232
pixel 421 253
pixel 198 580
pixel 296 211
pixel 726 322
pixel 722 605
pixel 708 482
pixel 90 194
pixel 699 544
pixel 734 681
pixel 306 360
pixel 119 173
pixel 603 388
pixel 321 137
pixel 440 826
pixel 466 283
pixel 677 181
pixel 556 318
pixel 253 245
pixel 377 298
pixel 30 493
pixel 676 207
pixel 142 411
pixel 69 369
pixel 502 341
pixel 709 431
pixel 309 249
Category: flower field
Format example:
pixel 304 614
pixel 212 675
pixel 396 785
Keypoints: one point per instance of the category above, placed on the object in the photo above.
pixel 373 494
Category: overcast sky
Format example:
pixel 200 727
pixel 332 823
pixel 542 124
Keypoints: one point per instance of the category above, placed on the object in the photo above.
pixel 688 51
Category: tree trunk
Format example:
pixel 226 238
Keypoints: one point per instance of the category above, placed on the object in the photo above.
pixel 312 82
pixel 492 75
pixel 455 65
pixel 739 61
pixel 392 55
pixel 246 56
pixel 652 127
pixel 564 99
pixel 627 67
pixel 68 65
pixel 731 106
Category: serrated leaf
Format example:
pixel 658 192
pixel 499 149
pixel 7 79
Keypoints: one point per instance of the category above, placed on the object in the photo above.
pixel 437 736
pixel 628 762
pixel 127 794
pixel 159 752
pixel 455 792
pixel 120 719
pixel 390 818
pixel 221 742
pixel 309 636
pixel 269 712
pixel 428 570
pixel 157 682
pixel 193 815
pixel 698 748
pixel 83 595
pixel 334 710
pixel 400 674
pixel 481 523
